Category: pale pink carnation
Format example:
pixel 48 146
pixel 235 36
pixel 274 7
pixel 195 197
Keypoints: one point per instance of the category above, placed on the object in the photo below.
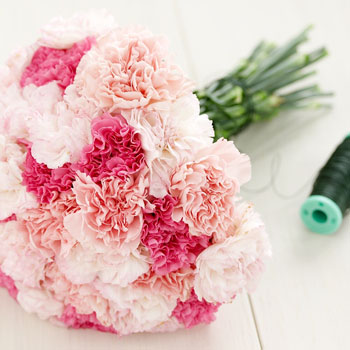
pixel 64 205
pixel 207 186
pixel 171 133
pixel 169 242
pixel 116 150
pixel 58 284
pixel 226 268
pixel 8 283
pixel 46 183
pixel 45 227
pixel 58 65
pixel 129 68
pixel 19 259
pixel 110 215
pixel 80 105
pixel 193 312
pixel 174 285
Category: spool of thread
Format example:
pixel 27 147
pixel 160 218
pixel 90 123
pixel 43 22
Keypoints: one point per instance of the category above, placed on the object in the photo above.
pixel 323 211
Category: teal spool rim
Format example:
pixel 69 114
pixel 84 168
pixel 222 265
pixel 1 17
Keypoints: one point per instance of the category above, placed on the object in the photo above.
pixel 321 215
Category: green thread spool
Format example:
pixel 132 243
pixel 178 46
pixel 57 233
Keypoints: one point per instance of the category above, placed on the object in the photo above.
pixel 323 211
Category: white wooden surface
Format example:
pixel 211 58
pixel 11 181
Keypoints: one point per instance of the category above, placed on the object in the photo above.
pixel 303 301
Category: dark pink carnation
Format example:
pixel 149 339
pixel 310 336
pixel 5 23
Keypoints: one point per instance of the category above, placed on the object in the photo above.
pixel 59 65
pixel 8 283
pixel 46 183
pixel 116 149
pixel 169 242
pixel 72 319
pixel 193 312
pixel 13 217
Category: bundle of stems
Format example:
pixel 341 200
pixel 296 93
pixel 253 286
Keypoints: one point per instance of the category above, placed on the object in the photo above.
pixel 255 90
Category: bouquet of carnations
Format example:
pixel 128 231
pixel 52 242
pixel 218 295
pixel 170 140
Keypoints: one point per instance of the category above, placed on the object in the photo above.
pixel 118 210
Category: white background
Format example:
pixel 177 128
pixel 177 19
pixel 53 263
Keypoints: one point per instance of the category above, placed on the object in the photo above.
pixel 303 301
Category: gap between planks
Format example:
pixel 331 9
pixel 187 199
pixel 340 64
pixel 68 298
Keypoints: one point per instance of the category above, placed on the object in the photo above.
pixel 257 330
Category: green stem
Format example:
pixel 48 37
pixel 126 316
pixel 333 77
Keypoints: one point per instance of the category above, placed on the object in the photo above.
pixel 251 91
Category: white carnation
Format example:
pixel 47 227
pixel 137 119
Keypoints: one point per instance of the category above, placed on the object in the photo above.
pixel 82 265
pixel 136 309
pixel 62 33
pixel 59 138
pixel 225 268
pixel 39 301
pixel 14 197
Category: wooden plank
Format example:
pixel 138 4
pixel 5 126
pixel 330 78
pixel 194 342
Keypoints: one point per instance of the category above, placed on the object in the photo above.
pixel 19 330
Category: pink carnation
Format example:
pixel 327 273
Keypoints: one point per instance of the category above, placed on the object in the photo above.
pixel 50 64
pixel 45 227
pixel 72 319
pixel 46 183
pixel 193 312
pixel 174 285
pixel 110 215
pixel 116 150
pixel 8 283
pixel 169 242
pixel 207 188
pixel 129 68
